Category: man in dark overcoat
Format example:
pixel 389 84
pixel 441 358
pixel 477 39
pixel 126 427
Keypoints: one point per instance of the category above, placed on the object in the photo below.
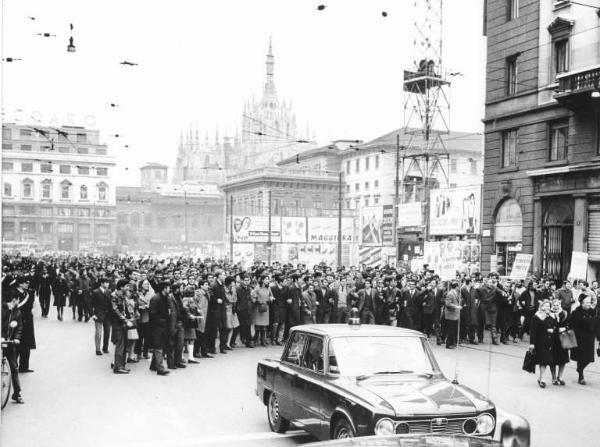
pixel 158 310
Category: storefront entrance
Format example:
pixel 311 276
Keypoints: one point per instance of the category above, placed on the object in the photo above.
pixel 508 235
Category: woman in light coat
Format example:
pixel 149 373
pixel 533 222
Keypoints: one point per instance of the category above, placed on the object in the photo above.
pixel 261 297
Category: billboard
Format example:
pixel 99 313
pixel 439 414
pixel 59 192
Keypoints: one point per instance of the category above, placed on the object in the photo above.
pixel 455 210
pixel 466 255
pixel 293 229
pixel 243 254
pixel 314 254
pixel 410 214
pixel 387 228
pixel 256 229
pixel 371 225
pixel 325 229
pixel 370 256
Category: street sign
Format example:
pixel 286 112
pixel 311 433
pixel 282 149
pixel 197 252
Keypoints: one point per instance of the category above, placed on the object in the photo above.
pixel 521 266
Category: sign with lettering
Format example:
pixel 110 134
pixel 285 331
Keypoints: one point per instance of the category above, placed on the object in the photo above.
pixel 521 266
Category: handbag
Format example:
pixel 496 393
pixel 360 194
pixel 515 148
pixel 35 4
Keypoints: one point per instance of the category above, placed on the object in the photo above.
pixel 568 339
pixel 529 362
pixel 263 307
pixel 132 334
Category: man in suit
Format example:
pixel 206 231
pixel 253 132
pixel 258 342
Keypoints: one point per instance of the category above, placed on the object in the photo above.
pixel 428 305
pixel 12 331
pixel 159 326
pixel 366 303
pixel 177 318
pixel 382 310
pixel 341 311
pixel 410 299
pixel 101 315
pixel 244 311
pixel 294 304
pixel 121 321
pixel 280 293
pixel 488 296
pixel 391 292
pixel 216 320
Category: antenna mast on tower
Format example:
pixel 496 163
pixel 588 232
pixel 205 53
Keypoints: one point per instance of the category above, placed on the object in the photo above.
pixel 426 105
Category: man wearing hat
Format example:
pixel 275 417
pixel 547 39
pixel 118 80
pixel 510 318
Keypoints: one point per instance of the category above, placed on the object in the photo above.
pixel 25 304
pixel 12 330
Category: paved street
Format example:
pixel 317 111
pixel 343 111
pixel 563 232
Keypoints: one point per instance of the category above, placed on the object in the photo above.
pixel 73 399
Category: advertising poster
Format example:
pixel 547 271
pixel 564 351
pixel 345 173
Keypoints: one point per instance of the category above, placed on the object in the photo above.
pixel 289 254
pixel 410 214
pixel 387 230
pixel 293 229
pixel 243 254
pixel 455 210
pixel 371 223
pixel 315 254
pixel 370 257
pixel 469 253
pixel 324 230
pixel 521 266
pixel 256 229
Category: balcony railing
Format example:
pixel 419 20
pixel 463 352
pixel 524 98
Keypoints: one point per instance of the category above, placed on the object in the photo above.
pixel 573 83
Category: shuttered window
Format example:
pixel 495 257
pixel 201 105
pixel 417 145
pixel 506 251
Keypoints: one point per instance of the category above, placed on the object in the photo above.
pixel 594 232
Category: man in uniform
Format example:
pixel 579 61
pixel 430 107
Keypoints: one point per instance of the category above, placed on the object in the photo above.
pixel 12 329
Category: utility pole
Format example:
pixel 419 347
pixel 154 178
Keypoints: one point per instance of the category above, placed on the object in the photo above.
pixel 185 219
pixel 269 243
pixel 231 228
pixel 396 194
pixel 339 241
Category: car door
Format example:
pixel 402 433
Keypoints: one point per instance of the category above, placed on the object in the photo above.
pixel 307 387
pixel 286 374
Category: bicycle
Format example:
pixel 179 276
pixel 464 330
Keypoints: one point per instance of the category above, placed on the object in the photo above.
pixel 5 376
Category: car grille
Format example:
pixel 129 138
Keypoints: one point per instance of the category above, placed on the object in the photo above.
pixel 434 425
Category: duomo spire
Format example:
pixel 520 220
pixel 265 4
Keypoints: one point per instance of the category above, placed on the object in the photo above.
pixel 268 134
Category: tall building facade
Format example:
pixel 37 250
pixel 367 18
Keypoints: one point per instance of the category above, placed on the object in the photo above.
pixel 542 158
pixel 269 133
pixel 58 189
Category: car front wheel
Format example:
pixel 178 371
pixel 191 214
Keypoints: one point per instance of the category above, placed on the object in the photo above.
pixel 343 430
pixel 278 423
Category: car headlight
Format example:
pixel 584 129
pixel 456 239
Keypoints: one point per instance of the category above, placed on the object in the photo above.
pixel 485 423
pixel 384 427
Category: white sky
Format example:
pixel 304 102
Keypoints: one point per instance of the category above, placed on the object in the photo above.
pixel 200 60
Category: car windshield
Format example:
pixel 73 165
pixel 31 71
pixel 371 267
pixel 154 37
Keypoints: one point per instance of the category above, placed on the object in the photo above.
pixel 365 356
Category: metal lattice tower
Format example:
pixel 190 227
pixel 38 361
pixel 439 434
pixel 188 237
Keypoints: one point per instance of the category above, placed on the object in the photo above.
pixel 426 103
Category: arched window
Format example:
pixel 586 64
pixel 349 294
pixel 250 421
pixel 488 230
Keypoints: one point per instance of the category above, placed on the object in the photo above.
pixel 7 189
pixel 27 188
pixel 102 191
pixel 83 192
pixel 47 189
pixel 65 190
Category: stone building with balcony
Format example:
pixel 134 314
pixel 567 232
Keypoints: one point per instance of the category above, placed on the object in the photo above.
pixel 542 159
pixel 58 189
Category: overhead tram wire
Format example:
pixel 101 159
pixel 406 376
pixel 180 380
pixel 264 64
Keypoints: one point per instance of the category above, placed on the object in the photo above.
pixel 268 126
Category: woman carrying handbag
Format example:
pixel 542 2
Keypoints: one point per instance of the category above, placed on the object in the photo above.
pixel 582 321
pixel 542 340
pixel 561 353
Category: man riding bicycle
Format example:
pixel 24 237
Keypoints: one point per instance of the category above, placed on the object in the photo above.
pixel 12 329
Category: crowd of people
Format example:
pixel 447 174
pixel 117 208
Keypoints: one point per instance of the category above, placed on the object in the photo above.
pixel 178 311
